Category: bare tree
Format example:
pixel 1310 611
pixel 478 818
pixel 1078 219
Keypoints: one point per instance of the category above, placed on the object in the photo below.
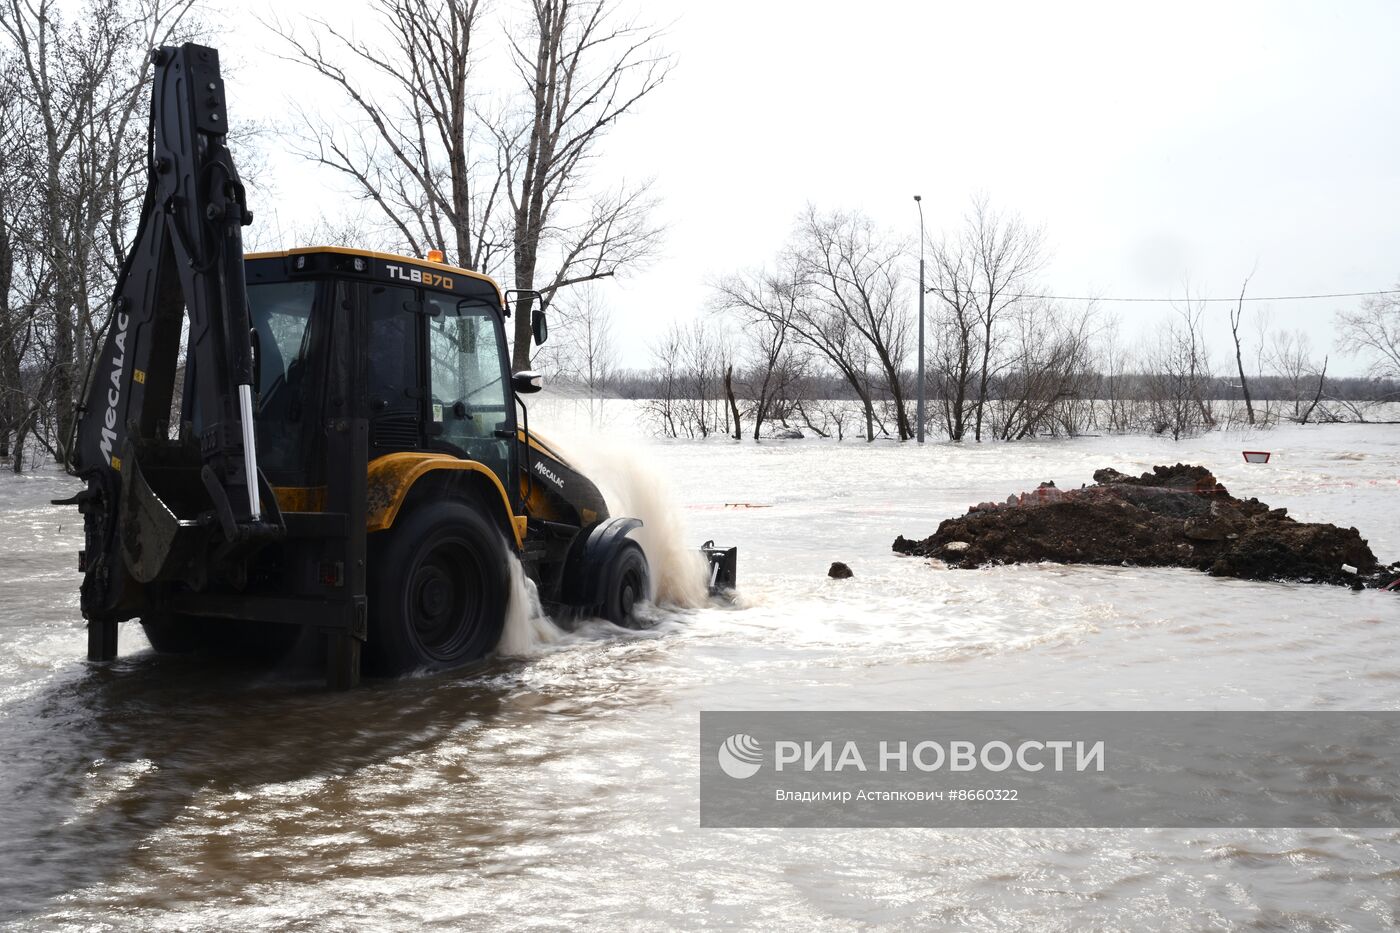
pixel 763 305
pixel 955 332
pixel 1373 330
pixel 781 302
pixel 500 187
pixel 1267 405
pixel 979 277
pixel 77 89
pixel 1049 354
pixel 702 368
pixel 1290 357
pixel 1118 387
pixel 15 316
pixel 418 156
pixel 1178 375
pixel 732 401
pixel 1317 395
pixel 1006 255
pixel 580 71
pixel 850 271
pixel 689 369
pixel 661 407
pixel 582 349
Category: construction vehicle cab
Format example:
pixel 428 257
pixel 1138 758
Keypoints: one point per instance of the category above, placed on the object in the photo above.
pixel 349 450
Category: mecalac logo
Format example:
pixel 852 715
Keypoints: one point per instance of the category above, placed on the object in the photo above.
pixel 548 474
pixel 114 392
pixel 740 756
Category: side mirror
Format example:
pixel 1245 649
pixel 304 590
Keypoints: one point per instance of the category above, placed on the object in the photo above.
pixel 527 382
pixel 539 325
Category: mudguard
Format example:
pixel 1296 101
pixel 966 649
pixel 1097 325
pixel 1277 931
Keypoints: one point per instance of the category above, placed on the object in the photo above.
pixel 593 550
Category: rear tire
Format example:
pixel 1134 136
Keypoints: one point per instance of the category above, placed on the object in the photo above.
pixel 628 584
pixel 439 587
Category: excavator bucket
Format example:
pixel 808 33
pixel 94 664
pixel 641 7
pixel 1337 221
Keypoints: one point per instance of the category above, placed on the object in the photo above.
pixel 169 514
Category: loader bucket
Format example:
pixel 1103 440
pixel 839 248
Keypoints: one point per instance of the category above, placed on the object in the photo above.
pixel 167 514
pixel 723 562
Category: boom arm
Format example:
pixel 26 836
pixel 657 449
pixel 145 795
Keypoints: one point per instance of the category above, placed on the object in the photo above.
pixel 149 500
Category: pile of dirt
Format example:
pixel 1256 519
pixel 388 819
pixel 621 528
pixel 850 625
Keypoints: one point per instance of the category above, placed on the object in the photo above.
pixel 1175 516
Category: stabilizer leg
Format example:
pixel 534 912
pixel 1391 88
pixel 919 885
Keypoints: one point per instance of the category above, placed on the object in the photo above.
pixel 102 640
pixel 342 661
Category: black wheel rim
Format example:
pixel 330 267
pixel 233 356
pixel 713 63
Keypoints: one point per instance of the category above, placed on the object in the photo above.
pixel 631 590
pixel 444 599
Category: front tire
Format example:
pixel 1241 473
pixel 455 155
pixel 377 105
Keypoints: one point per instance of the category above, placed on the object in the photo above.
pixel 439 587
pixel 628 584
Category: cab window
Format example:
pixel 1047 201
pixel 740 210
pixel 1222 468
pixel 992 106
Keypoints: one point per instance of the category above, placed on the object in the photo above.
pixel 280 314
pixel 393 351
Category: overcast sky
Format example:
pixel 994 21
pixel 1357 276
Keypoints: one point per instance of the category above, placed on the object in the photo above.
pixel 1154 142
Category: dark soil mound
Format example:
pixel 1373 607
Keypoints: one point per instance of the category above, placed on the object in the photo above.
pixel 1177 516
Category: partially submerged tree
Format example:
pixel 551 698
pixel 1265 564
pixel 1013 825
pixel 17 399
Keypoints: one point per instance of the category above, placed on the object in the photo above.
pixel 1049 354
pixel 955 347
pixel 1007 255
pixel 980 276
pixel 689 364
pixel 1178 375
pixel 1290 357
pixel 763 305
pixel 850 272
pixel 1236 317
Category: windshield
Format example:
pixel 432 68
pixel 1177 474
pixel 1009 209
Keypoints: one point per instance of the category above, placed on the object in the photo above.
pixel 467 377
pixel 281 318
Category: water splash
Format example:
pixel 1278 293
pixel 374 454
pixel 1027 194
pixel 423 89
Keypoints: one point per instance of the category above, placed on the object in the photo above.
pixel 633 486
pixel 528 632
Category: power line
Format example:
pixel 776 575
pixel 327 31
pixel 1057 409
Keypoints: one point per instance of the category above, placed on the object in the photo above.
pixel 1233 300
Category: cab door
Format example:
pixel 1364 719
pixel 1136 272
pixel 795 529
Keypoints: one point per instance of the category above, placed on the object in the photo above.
pixel 470 406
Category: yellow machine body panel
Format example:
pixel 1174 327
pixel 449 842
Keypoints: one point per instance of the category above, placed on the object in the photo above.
pixel 388 483
pixel 393 475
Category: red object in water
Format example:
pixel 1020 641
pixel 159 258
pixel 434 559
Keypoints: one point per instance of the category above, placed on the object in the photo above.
pixel 1256 456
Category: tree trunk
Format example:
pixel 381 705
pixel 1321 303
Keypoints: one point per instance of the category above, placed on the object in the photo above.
pixel 982 379
pixel 1235 320
pixel 1317 397
pixel 1244 383
pixel 17 465
pixel 733 404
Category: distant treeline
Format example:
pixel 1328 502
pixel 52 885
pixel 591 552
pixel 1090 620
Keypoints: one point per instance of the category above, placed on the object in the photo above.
pixel 633 384
pixel 824 337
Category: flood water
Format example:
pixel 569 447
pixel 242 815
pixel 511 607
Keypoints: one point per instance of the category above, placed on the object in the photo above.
pixel 560 789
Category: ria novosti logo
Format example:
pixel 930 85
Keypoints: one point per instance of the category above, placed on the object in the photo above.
pixel 740 756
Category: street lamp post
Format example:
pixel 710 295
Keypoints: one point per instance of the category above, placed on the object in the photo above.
pixel 919 409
